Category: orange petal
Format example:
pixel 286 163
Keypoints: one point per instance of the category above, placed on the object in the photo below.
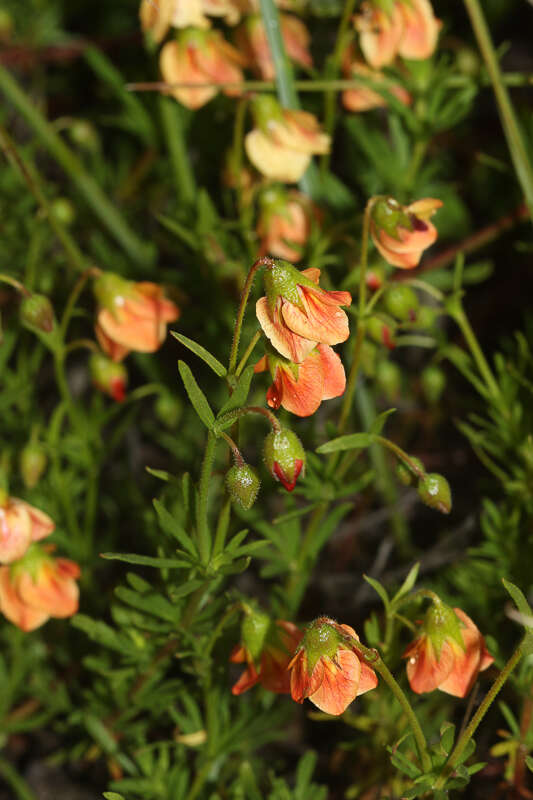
pixel 368 680
pixel 248 679
pixel 289 344
pixel 313 273
pixel 333 371
pixel 321 320
pixel 112 349
pixel 275 161
pixel 421 30
pixel 15 531
pixel 422 236
pixel 262 365
pixel 41 524
pixel 339 684
pixel 177 66
pixel 303 684
pixel 14 609
pixel 466 667
pixel 424 672
pixel 303 396
pixel 54 591
pixel 380 34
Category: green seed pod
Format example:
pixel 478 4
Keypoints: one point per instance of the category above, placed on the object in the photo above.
pixel 285 457
pixel 434 491
pixel 32 464
pixel 37 314
pixel 425 317
pixel 404 474
pixel 402 303
pixel 389 379
pixel 242 483
pixel 63 210
pixel 84 134
pixel 433 382
pixel 381 332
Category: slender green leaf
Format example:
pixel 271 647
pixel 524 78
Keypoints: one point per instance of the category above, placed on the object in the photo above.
pixel 171 526
pixel 376 585
pixel 353 441
pixel 526 614
pixel 408 583
pixel 146 561
pixel 240 393
pixel 202 353
pixel 196 396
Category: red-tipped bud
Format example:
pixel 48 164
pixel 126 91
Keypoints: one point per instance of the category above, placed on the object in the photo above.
pixel 433 381
pixel 405 475
pixel 285 457
pixel 434 491
pixel 402 303
pixel 374 278
pixel 32 464
pixel 109 376
pixel 381 332
pixel 37 313
pixel 242 483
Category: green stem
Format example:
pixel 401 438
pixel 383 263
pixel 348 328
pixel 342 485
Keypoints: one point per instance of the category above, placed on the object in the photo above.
pixel 15 781
pixel 172 119
pixel 15 284
pixel 513 134
pixel 204 538
pixel 401 455
pixel 261 262
pixel 472 726
pixel 29 174
pixel 419 151
pixel 109 216
pixel 73 299
pixel 247 353
pixel 360 336
pixel 285 80
pixel 457 313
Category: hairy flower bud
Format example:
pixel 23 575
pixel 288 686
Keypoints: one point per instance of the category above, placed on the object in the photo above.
pixel 109 376
pixel 242 483
pixel 402 303
pixel 433 381
pixel 32 463
pixel 434 491
pixel 37 313
pixel 285 457
pixel 381 332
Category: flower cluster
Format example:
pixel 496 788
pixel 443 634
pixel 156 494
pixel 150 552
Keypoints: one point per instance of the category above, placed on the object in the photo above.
pixel 408 28
pixel 33 585
pixel 301 321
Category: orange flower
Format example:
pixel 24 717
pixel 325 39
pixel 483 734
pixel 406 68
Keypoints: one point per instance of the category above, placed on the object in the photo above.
pixel 20 525
pixel 252 40
pixel 380 33
pixel 283 141
pixel 38 587
pixel 200 57
pixel 420 29
pixel 402 233
pixel 296 314
pixel 300 388
pixel 449 653
pixel 266 649
pixel 230 10
pixel 328 669
pixel 131 316
pixel 363 98
pixel 284 223
pixel 156 17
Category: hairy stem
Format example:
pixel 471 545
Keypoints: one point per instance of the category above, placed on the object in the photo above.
pixel 261 262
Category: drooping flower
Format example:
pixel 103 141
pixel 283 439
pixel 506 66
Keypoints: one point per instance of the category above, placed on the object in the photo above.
pixel 283 141
pixel 380 33
pixel 300 388
pixel 38 587
pixel 449 653
pixel 284 457
pixel 266 648
pixel 20 525
pixel 203 57
pixel 156 17
pixel 328 669
pixel 252 40
pixel 363 98
pixel 402 233
pixel 108 376
pixel 420 29
pixel 284 223
pixel 131 316
pixel 297 314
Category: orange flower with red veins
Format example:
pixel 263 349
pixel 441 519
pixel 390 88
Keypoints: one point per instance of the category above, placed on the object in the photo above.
pixel 363 98
pixel 380 33
pixel 284 223
pixel 448 655
pixel 420 29
pixel 402 233
pixel 328 669
pixel 202 57
pixel 266 648
pixel 131 316
pixel 38 587
pixel 285 457
pixel 297 314
pixel 283 141
pixel 300 388
pixel 252 40
pixel 20 525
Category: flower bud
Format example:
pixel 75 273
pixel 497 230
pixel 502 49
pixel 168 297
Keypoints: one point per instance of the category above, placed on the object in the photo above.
pixel 434 491
pixel 108 376
pixel 401 302
pixel 168 409
pixel 425 317
pixel 389 379
pixel 63 211
pixel 84 134
pixel 402 233
pixel 404 474
pixel 32 464
pixel 433 382
pixel 381 332
pixel 285 457
pixel 374 278
pixel 242 483
pixel 37 314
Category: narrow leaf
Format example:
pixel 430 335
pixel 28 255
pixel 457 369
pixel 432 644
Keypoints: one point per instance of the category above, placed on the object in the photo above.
pixel 202 353
pixel 146 561
pixel 240 393
pixel 376 585
pixel 171 525
pixel 353 441
pixel 379 423
pixel 408 583
pixel 196 396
